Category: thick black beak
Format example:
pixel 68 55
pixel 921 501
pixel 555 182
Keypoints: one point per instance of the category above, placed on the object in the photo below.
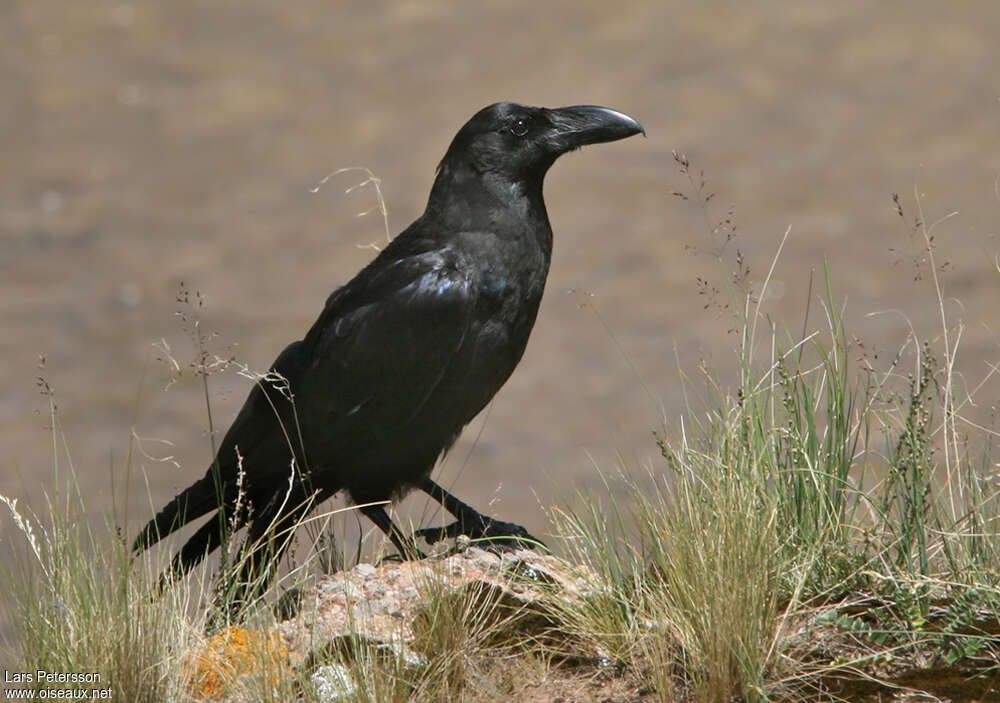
pixel 579 125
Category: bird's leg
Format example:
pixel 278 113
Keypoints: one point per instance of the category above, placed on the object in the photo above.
pixel 407 549
pixel 500 535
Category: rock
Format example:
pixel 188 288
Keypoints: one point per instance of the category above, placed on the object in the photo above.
pixel 365 570
pixel 333 682
pixel 380 604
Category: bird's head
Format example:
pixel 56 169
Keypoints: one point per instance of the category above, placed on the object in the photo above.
pixel 520 142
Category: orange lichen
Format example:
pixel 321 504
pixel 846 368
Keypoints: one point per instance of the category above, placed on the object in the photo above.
pixel 230 654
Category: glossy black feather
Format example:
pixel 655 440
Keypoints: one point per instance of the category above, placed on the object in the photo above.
pixel 404 355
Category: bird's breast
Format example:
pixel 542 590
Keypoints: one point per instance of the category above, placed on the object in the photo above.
pixel 510 292
pixel 507 278
pixel 496 288
pixel 508 298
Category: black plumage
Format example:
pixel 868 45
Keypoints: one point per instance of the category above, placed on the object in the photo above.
pixel 405 354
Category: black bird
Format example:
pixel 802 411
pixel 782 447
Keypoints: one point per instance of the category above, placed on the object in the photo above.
pixel 404 355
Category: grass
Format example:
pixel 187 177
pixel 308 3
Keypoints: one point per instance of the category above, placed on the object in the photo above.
pixel 80 606
pixel 828 529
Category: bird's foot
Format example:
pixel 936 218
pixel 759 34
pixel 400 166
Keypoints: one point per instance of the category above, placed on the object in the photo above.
pixel 494 535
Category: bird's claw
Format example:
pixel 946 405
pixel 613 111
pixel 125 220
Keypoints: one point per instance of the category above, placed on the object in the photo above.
pixel 495 534
pixel 433 535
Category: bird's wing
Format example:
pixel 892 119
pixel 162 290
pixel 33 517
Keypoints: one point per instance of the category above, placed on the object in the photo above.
pixel 385 342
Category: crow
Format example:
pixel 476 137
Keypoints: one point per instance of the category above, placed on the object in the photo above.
pixel 402 357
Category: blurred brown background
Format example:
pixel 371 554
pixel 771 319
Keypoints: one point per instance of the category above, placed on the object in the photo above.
pixel 149 143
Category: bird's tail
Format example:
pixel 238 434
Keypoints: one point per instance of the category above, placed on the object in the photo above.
pixel 190 504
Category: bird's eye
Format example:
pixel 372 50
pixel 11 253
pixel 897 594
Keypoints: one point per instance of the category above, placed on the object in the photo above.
pixel 519 127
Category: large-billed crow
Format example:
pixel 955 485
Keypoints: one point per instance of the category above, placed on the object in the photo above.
pixel 404 355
